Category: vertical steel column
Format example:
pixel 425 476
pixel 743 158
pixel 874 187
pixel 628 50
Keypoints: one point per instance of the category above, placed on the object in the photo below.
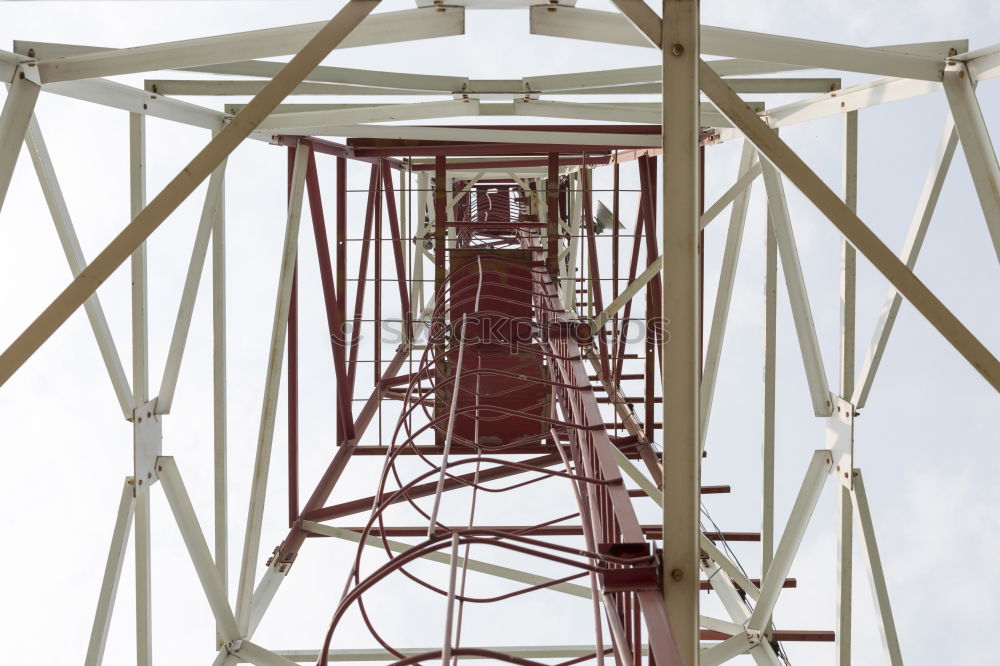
pixel 341 277
pixel 219 392
pixel 332 299
pixel 845 505
pixel 681 421
pixel 440 216
pixel 140 393
pixel 293 371
pixel 615 242
pixel 770 355
pixel 552 217
pixel 377 332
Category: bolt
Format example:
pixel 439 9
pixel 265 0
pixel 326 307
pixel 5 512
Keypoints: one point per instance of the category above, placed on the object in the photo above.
pixel 677 49
pixel 149 475
pixel 31 53
pixel 159 468
pixel 838 468
pixel 845 475
pixel 677 575
pixel 951 52
pixel 140 482
pixel 140 419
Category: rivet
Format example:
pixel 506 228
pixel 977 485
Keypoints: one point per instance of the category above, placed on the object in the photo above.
pixel 677 49
pixel 31 53
pixel 149 475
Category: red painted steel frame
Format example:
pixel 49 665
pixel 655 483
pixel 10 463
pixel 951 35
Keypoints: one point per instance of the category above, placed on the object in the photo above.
pixel 571 442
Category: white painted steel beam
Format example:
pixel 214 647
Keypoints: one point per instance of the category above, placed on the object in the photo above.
pixel 342 75
pixel 876 574
pixel 848 307
pixel 272 385
pixel 976 145
pixel 798 520
pixel 14 119
pixel 732 194
pixel 386 28
pixel 768 394
pixel 849 224
pixel 220 88
pixel 629 292
pixel 609 27
pixel 181 187
pixel 624 113
pixel 143 577
pixel 313 122
pixel 731 568
pixel 140 289
pixel 197 547
pixel 681 311
pixel 982 63
pixel 112 575
pixel 189 293
pixel 723 295
pixel 59 211
pixel 798 296
pixel 120 96
pixel 762 86
pixel 220 412
pixel 854 98
pixel 255 654
pixel 926 205
pixel 730 648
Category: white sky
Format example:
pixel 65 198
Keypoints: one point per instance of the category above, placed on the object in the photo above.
pixel 925 442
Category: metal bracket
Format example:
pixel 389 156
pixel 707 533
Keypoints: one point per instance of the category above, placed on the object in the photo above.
pixel 840 441
pixel 147 442
pixel 28 70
